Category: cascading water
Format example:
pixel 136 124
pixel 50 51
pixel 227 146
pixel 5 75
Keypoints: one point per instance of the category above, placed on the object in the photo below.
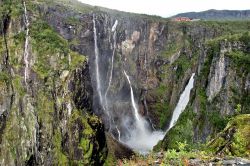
pixel 183 101
pixel 98 86
pixel 26 46
pixel 142 139
pixel 134 130
pixel 119 133
pixel 137 116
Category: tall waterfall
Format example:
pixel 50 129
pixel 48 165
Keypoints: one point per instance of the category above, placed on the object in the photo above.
pixel 128 126
pixel 26 46
pixel 98 84
pixel 142 139
pixel 183 101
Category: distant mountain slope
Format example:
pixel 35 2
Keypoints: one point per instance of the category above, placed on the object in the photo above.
pixel 218 15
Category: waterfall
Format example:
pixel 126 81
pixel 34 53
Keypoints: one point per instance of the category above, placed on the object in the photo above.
pixel 133 131
pixel 119 133
pixel 113 29
pixel 112 62
pixel 137 116
pixel 26 46
pixel 183 101
pixel 98 82
pixel 142 139
pixel 98 85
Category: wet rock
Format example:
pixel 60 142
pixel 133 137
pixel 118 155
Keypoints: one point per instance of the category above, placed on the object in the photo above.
pixel 118 149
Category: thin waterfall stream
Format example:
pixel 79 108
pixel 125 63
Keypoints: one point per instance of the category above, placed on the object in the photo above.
pixel 26 46
pixel 137 116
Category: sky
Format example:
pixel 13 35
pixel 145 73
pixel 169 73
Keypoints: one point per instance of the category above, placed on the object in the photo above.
pixel 166 8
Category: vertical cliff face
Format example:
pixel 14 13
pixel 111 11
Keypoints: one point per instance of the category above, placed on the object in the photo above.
pixel 159 57
pixel 221 91
pixel 223 77
pixel 154 52
pixel 217 75
pixel 45 103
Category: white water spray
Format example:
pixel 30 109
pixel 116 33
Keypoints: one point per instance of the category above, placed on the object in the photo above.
pixel 26 46
pixel 183 101
pixel 142 139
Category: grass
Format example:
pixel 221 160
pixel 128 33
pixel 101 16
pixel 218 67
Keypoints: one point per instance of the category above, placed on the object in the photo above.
pixel 52 49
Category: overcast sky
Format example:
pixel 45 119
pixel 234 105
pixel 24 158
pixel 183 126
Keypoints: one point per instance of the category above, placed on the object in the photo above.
pixel 167 8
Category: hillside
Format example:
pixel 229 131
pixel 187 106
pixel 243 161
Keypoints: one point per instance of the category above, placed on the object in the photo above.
pixel 218 15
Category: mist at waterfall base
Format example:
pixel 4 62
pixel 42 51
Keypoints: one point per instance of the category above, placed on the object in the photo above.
pixel 119 109
pixel 142 139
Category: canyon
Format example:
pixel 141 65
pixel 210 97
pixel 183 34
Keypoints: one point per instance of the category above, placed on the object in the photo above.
pixel 82 85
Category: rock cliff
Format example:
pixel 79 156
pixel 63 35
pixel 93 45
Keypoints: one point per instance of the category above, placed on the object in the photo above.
pixel 50 106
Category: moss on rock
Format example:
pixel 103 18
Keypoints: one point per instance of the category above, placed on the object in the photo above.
pixel 234 139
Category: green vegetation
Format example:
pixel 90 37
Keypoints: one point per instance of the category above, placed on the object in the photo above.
pixel 241 60
pixel 47 41
pixel 171 49
pixel 9 134
pixel 60 158
pixel 183 64
pixel 52 55
pixel 17 83
pixel 218 121
pixel 86 136
pixel 161 107
pixel 170 157
pixel 52 49
pixel 13 8
pixel 66 5
pixel 181 132
pixel 234 139
pixel 4 78
pixel 162 111
pixel 110 160
pixel 87 148
pixel 45 107
pixel 227 27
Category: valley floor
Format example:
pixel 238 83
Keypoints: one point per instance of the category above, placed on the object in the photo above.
pixel 183 158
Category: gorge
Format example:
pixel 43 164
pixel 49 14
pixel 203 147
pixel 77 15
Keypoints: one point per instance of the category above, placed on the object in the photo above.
pixel 83 85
